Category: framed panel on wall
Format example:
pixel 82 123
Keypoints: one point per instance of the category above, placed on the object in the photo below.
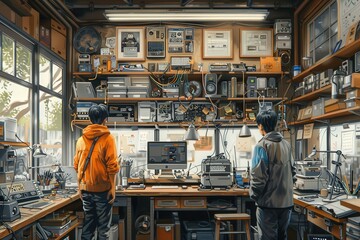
pixel 217 44
pixel 130 44
pixel 256 42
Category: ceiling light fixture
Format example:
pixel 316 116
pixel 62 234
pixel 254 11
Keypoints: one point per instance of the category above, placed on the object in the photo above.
pixel 206 15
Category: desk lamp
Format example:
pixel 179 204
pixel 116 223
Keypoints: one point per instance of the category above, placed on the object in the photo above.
pixel 191 133
pixel 337 164
pixel 35 149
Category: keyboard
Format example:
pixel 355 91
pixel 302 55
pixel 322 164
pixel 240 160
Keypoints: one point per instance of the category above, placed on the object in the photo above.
pixel 140 186
pixel 165 187
pixel 39 205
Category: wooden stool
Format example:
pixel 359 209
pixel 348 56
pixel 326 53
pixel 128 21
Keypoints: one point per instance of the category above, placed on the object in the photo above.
pixel 232 217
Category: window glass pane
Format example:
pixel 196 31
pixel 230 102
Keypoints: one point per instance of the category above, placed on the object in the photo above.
pixel 321 39
pixel 322 23
pixel 15 102
pixel 333 29
pixel 8 58
pixel 57 78
pixel 311 30
pixel 322 51
pixel 333 42
pixel 44 69
pixel 23 62
pixel 333 13
pixel 50 128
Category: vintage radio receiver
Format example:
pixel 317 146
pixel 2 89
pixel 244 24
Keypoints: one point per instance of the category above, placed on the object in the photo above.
pixel 23 192
pixel 282 26
pixel 216 172
pixel 155 37
pixel 282 41
pixel 238 67
pixel 121 113
pixel 82 110
pixel 220 67
pixel 202 111
pixel 180 63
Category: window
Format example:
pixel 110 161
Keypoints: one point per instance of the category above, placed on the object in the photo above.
pixel 36 105
pixel 322 33
pixel 51 108
pixel 51 128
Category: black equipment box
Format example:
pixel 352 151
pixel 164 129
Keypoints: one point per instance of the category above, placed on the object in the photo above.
pixel 200 230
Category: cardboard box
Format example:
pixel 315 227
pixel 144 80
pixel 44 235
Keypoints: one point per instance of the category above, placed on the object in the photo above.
pixel 6 12
pixel 270 64
pixel 31 24
pixel 58 43
pixel 335 107
pixel 58 27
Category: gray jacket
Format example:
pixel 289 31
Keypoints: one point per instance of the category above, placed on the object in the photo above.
pixel 272 173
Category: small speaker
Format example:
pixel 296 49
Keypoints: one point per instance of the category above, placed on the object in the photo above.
pixel 285 56
pixel 211 84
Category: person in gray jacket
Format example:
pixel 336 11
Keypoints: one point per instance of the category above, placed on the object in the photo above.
pixel 272 179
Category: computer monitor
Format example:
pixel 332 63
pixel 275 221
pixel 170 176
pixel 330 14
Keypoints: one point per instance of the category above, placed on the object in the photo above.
pixel 166 156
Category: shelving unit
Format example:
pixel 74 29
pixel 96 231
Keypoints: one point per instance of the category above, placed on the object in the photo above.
pixel 330 115
pixel 14 144
pixel 332 61
pixel 197 75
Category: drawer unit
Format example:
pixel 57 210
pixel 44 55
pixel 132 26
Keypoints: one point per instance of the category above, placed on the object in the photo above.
pixel 165 202
pixel 193 202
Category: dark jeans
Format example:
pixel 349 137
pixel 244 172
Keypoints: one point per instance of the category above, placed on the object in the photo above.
pixel 273 223
pixel 98 213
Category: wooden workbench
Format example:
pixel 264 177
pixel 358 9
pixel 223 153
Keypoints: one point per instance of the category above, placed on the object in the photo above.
pixel 30 216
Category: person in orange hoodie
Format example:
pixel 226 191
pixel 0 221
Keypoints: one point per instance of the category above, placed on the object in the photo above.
pixel 96 178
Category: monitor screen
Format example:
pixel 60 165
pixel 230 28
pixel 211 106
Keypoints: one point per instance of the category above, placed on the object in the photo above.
pixel 166 155
pixel 320 237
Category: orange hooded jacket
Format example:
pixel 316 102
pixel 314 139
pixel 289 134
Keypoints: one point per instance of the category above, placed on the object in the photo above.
pixel 103 161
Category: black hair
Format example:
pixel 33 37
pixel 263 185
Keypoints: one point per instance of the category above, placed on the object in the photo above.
pixel 268 119
pixel 98 113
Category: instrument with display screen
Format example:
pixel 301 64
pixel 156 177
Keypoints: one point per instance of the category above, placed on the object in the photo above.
pixel 121 113
pixel 216 172
pixel 155 37
pixel 167 155
pixel 180 40
pixel 23 192
pixel 251 87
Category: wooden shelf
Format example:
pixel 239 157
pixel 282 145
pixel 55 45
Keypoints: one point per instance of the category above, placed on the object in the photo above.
pixel 92 74
pixel 312 95
pixel 330 115
pixel 332 61
pixel 122 100
pixel 14 144
pixel 233 122
pixel 74 224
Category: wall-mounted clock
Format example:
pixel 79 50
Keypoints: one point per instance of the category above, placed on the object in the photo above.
pixel 87 40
